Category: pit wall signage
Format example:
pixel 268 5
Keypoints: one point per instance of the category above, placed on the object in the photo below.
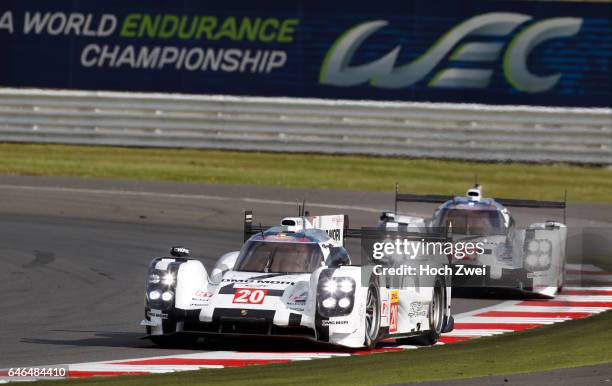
pixel 503 52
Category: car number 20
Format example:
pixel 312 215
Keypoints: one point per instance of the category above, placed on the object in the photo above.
pixel 249 295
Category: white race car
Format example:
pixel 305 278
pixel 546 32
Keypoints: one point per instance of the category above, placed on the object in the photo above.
pixel 531 259
pixel 293 280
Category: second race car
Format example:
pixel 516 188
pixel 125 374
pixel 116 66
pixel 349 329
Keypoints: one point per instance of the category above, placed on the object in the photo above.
pixel 531 260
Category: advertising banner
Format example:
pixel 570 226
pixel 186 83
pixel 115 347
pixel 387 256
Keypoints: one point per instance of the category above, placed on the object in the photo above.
pixel 501 52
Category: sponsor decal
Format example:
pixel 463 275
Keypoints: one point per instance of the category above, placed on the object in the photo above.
pixel 457 45
pixel 179 251
pixel 200 298
pixel 299 299
pixel 297 306
pixel 393 310
pixel 531 275
pixel 202 295
pixel 333 225
pixel 249 296
pixel 417 309
pixel 157 314
pixel 246 281
pixel 385 308
pixel 334 322
pixel 255 285
pixel 335 234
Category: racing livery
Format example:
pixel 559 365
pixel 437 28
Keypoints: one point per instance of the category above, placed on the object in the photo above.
pixel 531 260
pixel 292 280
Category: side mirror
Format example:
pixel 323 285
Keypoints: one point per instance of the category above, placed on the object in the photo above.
pixel 179 252
pixel 217 274
pixel 338 256
pixel 224 264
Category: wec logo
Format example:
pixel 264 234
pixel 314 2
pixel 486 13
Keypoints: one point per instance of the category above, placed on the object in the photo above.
pixel 384 73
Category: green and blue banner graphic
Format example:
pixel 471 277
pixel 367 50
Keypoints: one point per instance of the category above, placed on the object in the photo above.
pixel 501 52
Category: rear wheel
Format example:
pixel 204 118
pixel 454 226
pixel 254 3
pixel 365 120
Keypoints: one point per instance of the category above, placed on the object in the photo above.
pixel 372 316
pixel 436 314
pixel 436 318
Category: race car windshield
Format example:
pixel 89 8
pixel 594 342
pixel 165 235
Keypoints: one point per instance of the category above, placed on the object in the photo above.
pixel 279 257
pixel 473 222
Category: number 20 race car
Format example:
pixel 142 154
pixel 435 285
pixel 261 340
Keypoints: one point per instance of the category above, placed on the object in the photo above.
pixel 531 260
pixel 292 280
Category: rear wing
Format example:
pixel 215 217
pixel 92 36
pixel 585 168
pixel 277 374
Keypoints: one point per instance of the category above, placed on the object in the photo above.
pixel 372 233
pixel 531 203
pixel 337 227
pixel 509 202
pixel 334 225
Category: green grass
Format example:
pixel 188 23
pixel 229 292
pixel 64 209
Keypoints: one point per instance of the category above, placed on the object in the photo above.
pixel 589 184
pixel 575 343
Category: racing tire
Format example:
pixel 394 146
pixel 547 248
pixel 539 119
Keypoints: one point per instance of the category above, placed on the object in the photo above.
pixel 372 316
pixel 437 309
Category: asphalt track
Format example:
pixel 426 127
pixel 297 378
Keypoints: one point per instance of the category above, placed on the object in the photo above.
pixel 74 254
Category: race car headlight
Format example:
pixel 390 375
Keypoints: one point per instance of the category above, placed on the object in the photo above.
pixel 167 296
pixel 346 286
pixel 533 246
pixel 544 260
pixel 330 286
pixel 338 284
pixel 531 260
pixel 160 286
pixel 335 296
pixel 168 279
pixel 153 279
pixel 329 303
pixel 344 303
pixel 538 255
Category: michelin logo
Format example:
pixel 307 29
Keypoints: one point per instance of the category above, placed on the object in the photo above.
pixel 385 73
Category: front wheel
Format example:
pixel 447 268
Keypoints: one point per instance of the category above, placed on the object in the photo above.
pixel 372 316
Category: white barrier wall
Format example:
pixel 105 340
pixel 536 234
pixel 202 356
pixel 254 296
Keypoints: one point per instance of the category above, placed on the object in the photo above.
pixel 456 131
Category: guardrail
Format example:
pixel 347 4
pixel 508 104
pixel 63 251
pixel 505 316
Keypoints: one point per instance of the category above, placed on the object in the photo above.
pixel 455 131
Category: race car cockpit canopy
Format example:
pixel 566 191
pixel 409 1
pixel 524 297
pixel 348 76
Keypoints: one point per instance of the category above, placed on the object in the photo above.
pixel 472 221
pixel 298 245
pixel 287 257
